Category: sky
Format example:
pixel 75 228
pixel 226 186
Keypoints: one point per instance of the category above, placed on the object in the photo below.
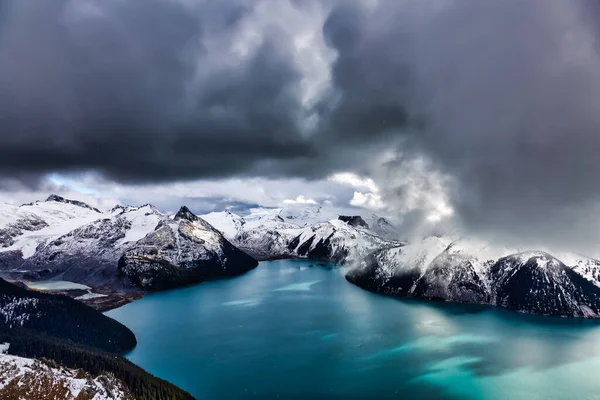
pixel 481 117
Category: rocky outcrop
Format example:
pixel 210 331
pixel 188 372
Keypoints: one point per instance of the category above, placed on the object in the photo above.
pixel 182 251
pixel 355 220
pixel 59 199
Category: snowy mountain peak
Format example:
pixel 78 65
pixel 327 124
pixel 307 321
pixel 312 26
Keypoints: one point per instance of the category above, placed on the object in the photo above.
pixel 355 220
pixel 60 199
pixel 186 214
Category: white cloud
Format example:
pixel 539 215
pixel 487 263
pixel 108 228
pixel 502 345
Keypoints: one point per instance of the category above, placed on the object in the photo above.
pixel 367 200
pixel 441 211
pixel 370 198
pixel 300 200
pixel 350 179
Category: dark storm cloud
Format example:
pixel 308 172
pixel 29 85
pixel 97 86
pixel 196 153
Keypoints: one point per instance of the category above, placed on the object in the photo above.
pixel 133 89
pixel 503 96
pixel 500 97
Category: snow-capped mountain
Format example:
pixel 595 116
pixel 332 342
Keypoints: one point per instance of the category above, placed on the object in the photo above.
pixel 132 248
pixel 26 378
pixel 297 232
pixel 337 241
pixel 120 249
pixel 24 228
pixel 383 227
pixel 184 250
pixel 471 272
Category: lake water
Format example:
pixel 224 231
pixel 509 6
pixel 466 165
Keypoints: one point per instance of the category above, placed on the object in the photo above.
pixel 56 285
pixel 297 329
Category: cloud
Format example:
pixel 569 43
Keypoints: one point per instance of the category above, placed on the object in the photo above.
pixel 481 113
pixel 300 200
pixel 501 98
pixel 348 178
pixel 367 200
pixel 160 90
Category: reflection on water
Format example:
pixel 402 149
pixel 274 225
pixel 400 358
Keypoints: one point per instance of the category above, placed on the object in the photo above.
pixel 294 329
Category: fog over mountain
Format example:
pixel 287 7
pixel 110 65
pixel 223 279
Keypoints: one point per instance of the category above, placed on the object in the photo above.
pixel 482 117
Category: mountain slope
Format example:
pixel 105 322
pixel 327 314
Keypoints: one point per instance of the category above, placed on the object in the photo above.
pixel 538 283
pixel 128 248
pixel 184 250
pixel 459 271
pixel 299 232
pixel 26 378
pixel 123 375
pixel 61 317
pixel 25 227
pixel 90 254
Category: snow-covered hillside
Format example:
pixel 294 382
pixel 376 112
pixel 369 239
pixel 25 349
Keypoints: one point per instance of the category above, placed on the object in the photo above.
pixel 299 232
pixel 25 227
pixel 69 240
pixel 469 271
pixel 26 378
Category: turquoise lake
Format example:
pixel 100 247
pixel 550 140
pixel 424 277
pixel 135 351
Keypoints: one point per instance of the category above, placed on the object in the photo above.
pixel 297 329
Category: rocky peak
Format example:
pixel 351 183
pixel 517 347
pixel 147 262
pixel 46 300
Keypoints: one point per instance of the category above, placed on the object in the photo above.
pixel 60 199
pixel 355 220
pixel 382 222
pixel 185 214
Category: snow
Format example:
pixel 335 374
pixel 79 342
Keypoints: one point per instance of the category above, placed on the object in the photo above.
pixel 143 221
pixel 32 374
pixel 61 219
pixel 16 311
pixel 90 295
pixel 417 255
pixel 227 223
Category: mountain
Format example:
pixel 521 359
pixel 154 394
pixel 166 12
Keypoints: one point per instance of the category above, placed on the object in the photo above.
pixel 184 250
pixel 299 232
pixel 127 248
pixel 24 228
pixel 355 220
pixel 336 241
pixel 470 272
pixel 383 227
pixel 536 282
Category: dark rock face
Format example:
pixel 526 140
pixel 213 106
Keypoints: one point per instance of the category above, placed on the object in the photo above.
pixel 452 278
pixel 319 249
pixel 10 260
pixel 15 229
pixel 181 252
pixel 355 220
pixel 541 284
pixel 186 214
pixel 78 203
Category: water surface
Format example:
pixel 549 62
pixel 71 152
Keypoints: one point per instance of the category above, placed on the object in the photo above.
pixel 56 285
pixel 296 329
